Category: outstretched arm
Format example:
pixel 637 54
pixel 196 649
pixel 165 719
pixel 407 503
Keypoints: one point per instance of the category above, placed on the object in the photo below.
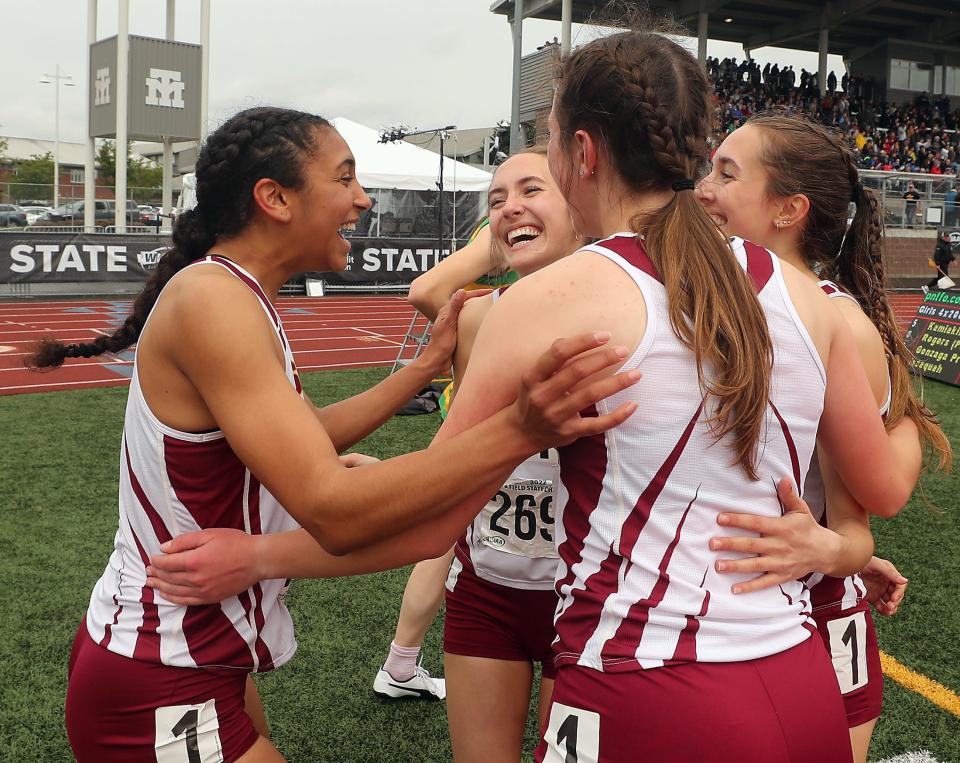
pixel 209 565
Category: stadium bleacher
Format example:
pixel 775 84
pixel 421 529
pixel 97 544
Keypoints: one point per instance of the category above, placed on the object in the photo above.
pixel 919 137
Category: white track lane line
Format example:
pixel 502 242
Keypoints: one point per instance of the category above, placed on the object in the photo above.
pixel 119 380
pixel 381 337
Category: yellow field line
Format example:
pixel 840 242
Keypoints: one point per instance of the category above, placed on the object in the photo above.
pixel 937 693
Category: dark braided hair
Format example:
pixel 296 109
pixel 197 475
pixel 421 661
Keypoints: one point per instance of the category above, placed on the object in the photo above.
pixel 802 156
pixel 263 142
pixel 646 101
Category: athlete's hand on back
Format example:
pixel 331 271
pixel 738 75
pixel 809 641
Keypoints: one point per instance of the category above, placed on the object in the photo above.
pixel 787 548
pixel 204 567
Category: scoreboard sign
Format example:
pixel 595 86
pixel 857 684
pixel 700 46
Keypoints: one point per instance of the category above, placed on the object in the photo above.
pixel 934 337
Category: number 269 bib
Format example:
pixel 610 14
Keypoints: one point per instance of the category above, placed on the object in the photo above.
pixel 519 519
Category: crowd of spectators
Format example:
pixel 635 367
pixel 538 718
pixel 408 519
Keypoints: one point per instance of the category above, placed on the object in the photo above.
pixel 920 137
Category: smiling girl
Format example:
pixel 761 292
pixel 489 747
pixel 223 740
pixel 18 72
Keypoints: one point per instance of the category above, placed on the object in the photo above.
pixel 787 183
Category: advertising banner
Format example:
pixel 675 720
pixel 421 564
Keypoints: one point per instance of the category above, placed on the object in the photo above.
pixel 100 257
pixel 78 258
pixel 934 337
pixel 381 260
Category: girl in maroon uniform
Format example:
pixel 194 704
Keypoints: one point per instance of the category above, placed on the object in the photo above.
pixel 786 183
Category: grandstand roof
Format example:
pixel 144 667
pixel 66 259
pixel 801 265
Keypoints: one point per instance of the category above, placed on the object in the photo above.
pixel 856 26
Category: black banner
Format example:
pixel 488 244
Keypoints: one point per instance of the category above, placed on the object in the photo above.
pixel 393 260
pixel 79 257
pixel 106 257
pixel 934 337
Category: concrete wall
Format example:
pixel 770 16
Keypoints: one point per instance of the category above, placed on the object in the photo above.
pixel 905 256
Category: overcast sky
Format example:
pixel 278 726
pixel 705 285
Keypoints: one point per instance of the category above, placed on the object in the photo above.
pixel 422 63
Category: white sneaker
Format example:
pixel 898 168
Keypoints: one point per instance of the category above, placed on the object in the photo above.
pixel 421 685
pixel 925 288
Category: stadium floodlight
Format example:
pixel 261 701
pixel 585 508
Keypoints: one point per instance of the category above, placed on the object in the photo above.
pixel 55 79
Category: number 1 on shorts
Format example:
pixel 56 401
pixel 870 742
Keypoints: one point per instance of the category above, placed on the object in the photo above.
pixel 848 641
pixel 188 734
pixel 572 735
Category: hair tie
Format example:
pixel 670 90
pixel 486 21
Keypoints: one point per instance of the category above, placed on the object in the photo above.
pixel 82 350
pixel 684 185
pixel 856 193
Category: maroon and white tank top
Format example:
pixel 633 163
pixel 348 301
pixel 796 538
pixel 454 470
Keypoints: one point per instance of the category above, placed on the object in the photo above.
pixel 173 482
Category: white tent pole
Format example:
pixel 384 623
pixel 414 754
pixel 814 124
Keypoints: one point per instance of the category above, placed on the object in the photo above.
pixel 456 152
pixel 123 81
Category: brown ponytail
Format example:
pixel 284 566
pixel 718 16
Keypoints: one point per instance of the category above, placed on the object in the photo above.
pixel 649 101
pixel 802 156
pixel 256 143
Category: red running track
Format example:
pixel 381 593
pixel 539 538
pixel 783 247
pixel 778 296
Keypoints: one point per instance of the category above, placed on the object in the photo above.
pixel 326 333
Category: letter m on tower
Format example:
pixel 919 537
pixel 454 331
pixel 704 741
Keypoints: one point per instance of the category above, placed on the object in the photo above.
pixel 101 86
pixel 164 88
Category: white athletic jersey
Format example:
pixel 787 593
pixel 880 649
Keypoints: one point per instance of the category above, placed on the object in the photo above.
pixel 173 482
pixel 511 541
pixel 825 590
pixel 638 504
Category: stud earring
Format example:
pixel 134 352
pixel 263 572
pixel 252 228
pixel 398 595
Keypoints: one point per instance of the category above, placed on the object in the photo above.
pixel 581 172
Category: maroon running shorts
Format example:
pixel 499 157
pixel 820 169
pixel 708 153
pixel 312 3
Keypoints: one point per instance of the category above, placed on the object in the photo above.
pixel 778 709
pixel 119 709
pixel 851 643
pixel 486 619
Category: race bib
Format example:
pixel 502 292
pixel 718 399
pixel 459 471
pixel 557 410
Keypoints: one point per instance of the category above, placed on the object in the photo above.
pixel 519 519
pixel 188 734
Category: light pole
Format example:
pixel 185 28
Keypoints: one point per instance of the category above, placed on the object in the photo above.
pixel 54 79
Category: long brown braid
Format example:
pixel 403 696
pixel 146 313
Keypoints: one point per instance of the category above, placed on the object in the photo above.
pixel 647 102
pixel 256 143
pixel 801 157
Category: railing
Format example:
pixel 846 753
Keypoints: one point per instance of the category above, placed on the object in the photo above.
pixel 32 229
pixel 929 212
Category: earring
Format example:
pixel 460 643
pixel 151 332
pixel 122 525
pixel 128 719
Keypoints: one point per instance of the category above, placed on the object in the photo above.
pixel 581 172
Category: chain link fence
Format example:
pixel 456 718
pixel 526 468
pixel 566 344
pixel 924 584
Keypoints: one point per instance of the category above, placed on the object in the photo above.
pixel 41 194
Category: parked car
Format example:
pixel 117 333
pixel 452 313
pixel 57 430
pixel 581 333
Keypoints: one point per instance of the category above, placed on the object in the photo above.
pixel 72 213
pixel 148 215
pixel 12 215
pixel 35 213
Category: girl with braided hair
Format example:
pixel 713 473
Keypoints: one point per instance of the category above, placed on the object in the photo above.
pixel 657 658
pixel 498 579
pixel 786 183
pixel 218 437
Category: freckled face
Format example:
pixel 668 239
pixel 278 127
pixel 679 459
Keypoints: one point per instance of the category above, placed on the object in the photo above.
pixel 528 215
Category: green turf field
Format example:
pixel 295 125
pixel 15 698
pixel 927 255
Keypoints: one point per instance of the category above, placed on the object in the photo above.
pixel 58 476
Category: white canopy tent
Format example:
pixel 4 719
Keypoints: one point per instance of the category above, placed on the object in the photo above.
pixel 405 166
